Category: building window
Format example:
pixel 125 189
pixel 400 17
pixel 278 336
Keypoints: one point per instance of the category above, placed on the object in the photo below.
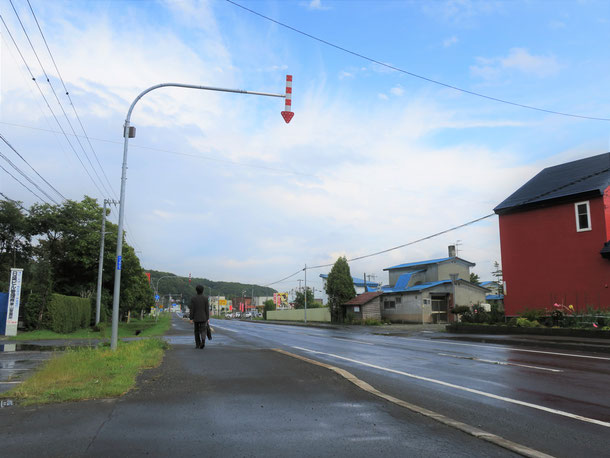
pixel 387 304
pixel 583 216
pixel 398 300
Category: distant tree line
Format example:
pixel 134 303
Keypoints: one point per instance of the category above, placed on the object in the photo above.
pixel 58 248
pixel 174 285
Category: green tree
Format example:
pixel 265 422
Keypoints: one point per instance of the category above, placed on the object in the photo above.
pixel 14 239
pixel 299 301
pixel 65 258
pixel 474 278
pixel 339 288
pixel 268 305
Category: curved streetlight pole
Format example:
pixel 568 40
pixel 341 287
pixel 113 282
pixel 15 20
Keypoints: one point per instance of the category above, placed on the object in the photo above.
pixel 129 132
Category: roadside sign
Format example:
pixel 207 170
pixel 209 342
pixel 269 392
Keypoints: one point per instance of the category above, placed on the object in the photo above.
pixel 156 297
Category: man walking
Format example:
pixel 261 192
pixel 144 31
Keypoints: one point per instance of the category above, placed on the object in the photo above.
pixel 200 315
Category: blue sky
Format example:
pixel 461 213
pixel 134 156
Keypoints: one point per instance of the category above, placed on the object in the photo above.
pixel 218 184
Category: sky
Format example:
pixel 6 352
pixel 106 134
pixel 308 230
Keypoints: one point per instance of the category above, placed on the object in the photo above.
pixel 378 154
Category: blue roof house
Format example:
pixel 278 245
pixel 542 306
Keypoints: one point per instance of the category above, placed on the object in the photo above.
pixel 426 291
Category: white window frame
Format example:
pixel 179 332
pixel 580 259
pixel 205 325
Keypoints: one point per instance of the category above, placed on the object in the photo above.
pixel 578 228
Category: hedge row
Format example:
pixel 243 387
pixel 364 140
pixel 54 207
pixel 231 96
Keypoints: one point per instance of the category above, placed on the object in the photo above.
pixel 66 314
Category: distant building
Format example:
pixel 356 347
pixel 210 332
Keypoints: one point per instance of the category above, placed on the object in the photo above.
pixel 426 291
pixel 555 238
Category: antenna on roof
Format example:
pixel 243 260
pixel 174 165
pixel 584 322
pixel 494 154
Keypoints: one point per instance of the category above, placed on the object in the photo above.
pixel 457 248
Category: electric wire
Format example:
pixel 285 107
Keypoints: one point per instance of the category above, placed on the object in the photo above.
pixel 57 98
pixel 22 173
pixel 415 75
pixel 35 171
pixel 530 200
pixel 70 100
pixel 17 203
pixel 13 177
pixel 48 105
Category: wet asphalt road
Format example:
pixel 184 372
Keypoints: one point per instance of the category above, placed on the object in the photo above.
pixel 552 400
pixel 239 398
pixel 233 399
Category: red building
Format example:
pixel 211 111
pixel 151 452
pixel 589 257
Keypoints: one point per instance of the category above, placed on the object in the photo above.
pixel 555 238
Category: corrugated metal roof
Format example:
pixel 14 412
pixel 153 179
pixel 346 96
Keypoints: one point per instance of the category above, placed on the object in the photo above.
pixel 357 281
pixel 491 297
pixel 430 261
pixel 421 286
pixel 591 174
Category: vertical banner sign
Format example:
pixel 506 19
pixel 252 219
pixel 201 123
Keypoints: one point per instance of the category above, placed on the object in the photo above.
pixel 148 275
pixel 189 278
pixel 14 296
pixel 118 262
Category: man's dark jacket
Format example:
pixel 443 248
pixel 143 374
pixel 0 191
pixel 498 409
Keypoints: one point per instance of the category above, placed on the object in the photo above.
pixel 199 308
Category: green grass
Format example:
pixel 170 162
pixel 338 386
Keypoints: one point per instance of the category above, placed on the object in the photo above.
pixel 89 373
pixel 148 327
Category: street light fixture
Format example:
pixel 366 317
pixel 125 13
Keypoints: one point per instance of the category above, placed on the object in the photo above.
pixel 130 132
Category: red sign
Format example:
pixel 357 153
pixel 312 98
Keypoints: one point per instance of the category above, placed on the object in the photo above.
pixel 287 115
pixel 148 275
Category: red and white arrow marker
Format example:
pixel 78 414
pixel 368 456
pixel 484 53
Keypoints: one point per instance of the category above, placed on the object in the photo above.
pixel 288 114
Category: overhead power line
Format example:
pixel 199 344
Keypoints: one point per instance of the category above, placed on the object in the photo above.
pixel 532 199
pixel 70 99
pixel 13 177
pixel 415 75
pixel 35 171
pixel 22 173
pixel 48 105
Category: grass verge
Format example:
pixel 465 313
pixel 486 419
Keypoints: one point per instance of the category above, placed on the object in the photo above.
pixel 89 373
pixel 148 327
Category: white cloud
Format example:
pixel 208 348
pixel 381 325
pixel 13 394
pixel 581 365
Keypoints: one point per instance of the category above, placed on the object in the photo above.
pixel 450 41
pixel 518 59
pixel 382 96
pixel 316 5
pixel 397 91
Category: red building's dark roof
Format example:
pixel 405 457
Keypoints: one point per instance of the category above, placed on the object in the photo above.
pixel 585 176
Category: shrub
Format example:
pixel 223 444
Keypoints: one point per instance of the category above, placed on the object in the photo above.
pixel 460 309
pixel 495 315
pixel 525 323
pixel 66 314
pixel 372 322
pixel 532 315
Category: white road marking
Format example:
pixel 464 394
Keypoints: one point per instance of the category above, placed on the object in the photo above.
pixel 353 341
pixel 462 388
pixel 502 363
pixel 222 327
pixel 603 358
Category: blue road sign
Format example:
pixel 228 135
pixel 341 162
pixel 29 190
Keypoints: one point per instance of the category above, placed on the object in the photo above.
pixel 156 297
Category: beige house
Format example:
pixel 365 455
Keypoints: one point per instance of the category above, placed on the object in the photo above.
pixel 426 291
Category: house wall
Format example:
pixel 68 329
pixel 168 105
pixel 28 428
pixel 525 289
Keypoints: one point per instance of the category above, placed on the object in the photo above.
pixel 469 295
pixel 545 260
pixel 372 309
pixel 452 267
pixel 409 308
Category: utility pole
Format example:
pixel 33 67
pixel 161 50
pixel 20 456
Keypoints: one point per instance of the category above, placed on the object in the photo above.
pixel 305 269
pixel 100 269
